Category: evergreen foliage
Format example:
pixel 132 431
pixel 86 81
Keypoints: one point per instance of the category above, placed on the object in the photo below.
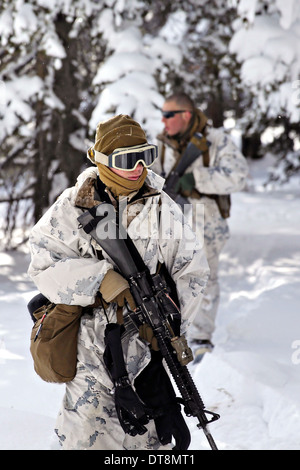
pixel 68 65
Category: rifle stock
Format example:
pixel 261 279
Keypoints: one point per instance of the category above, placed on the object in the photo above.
pixel 155 308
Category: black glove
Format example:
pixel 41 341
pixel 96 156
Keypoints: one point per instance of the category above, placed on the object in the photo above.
pixel 172 423
pixel 130 410
pixel 36 302
pixel 155 389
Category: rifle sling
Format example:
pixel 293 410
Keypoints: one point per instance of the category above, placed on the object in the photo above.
pixel 197 146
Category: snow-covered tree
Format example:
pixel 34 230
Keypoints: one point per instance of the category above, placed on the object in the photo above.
pixel 68 65
pixel 208 70
pixel 128 81
pixel 45 69
pixel 60 63
pixel 178 45
pixel 267 44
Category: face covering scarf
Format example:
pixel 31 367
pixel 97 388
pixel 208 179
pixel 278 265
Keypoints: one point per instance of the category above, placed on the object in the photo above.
pixel 116 184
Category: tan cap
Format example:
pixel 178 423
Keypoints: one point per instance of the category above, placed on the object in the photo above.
pixel 117 132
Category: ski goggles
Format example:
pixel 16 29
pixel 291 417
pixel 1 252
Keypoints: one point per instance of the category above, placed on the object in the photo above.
pixel 170 114
pixel 126 159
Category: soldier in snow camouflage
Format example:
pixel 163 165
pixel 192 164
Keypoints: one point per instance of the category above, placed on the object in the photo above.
pixel 68 267
pixel 220 170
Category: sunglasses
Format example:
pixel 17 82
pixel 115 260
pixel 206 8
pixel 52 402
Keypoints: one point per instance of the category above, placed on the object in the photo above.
pixel 170 114
pixel 127 159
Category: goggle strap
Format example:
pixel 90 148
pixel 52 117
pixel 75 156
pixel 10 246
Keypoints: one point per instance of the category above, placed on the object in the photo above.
pixel 100 157
pixel 135 149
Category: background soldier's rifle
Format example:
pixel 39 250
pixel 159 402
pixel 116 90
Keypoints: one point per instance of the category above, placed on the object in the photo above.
pixel 154 307
pixel 191 153
pixel 195 148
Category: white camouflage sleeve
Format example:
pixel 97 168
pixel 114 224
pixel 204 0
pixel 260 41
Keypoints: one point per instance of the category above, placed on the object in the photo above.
pixel 64 266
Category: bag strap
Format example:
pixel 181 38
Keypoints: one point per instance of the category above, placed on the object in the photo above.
pixel 163 151
pixel 205 156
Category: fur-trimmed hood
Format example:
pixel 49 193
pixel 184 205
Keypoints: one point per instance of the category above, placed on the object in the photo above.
pixel 86 195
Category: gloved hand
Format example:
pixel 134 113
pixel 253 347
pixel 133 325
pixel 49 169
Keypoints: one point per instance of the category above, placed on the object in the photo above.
pixel 146 333
pixel 130 410
pixel 115 288
pixel 125 295
pixel 172 424
pixel 185 184
pixel 154 387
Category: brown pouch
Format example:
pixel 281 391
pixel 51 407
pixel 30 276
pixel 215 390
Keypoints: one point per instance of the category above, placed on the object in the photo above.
pixel 53 343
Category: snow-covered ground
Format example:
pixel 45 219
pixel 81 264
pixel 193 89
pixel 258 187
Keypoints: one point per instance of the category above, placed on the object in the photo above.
pixel 253 376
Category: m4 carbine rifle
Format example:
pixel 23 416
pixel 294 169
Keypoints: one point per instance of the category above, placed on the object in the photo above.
pixel 154 307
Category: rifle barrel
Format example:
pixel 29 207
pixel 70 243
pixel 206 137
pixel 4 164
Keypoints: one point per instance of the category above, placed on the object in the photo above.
pixel 188 391
pixel 209 438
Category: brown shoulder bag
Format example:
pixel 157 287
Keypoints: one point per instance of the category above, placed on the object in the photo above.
pixel 53 343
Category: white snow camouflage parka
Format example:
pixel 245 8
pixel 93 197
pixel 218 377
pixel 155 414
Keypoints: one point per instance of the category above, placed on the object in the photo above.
pixel 226 174
pixel 65 268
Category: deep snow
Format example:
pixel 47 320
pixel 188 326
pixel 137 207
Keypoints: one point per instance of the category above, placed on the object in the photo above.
pixel 252 378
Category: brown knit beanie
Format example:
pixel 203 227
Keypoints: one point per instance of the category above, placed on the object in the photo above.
pixel 117 132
